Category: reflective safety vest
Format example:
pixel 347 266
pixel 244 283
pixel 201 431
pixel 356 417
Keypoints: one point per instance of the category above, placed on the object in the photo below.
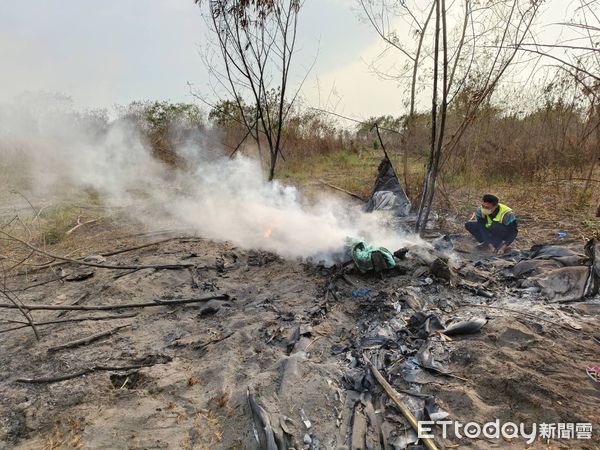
pixel 502 210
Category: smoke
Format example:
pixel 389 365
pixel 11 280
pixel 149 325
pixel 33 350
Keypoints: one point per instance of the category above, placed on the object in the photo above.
pixel 55 147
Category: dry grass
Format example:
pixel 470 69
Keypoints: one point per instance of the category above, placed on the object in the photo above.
pixel 48 231
pixel 544 208
pixel 65 436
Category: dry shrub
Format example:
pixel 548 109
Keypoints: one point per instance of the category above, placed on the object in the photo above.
pixel 553 143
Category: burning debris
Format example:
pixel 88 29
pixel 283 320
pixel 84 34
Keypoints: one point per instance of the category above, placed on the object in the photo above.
pixel 305 363
pixel 215 196
pixel 368 258
pixel 296 325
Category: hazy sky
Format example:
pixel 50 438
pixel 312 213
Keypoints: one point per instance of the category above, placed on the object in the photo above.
pixel 116 51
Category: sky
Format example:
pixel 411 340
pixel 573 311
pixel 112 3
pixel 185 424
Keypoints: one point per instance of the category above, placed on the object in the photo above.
pixel 117 51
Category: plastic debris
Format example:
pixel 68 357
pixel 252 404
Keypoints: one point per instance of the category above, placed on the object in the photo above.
pixel 305 420
pixel 593 373
pixel 360 292
pixel 465 327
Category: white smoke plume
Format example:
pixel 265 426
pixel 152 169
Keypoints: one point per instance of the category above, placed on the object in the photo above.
pixel 219 198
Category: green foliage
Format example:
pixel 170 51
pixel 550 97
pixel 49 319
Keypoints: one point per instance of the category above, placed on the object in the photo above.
pixel 165 126
pixel 227 113
pixel 160 115
pixel 593 226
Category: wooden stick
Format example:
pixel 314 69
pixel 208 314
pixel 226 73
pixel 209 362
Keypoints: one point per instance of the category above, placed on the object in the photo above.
pixel 86 296
pixel 215 341
pixel 101 266
pixel 152 233
pixel 17 264
pixel 74 319
pixel 376 126
pixel 88 339
pixel 41 283
pixel 115 252
pixel 429 443
pixel 14 191
pixel 81 373
pixel 79 224
pixel 138 247
pixel 352 194
pixel 124 274
pixel 15 303
pixel 116 307
pixel 9 222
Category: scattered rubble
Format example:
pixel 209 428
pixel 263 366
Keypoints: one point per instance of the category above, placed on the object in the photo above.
pixel 287 355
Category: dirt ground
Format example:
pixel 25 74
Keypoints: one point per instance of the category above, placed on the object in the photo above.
pixel 292 337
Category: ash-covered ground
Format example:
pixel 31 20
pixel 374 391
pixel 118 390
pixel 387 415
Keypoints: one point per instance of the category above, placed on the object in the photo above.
pixel 286 350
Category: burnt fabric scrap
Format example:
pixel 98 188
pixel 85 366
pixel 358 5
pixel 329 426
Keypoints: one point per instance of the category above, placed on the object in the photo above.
pixel 561 274
pixel 366 257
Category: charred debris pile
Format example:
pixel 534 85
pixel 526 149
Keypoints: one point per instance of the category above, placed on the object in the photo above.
pixel 401 316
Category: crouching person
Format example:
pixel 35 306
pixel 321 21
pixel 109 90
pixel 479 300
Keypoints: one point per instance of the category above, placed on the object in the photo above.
pixel 495 225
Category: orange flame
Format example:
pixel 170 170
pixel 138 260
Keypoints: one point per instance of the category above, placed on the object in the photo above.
pixel 268 232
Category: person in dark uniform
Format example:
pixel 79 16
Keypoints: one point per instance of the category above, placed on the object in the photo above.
pixel 494 225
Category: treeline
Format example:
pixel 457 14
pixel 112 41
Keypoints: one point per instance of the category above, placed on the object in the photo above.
pixel 556 141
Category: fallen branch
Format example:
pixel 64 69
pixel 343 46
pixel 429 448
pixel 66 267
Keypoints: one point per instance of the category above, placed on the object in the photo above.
pixel 15 303
pixel 88 339
pixel 79 224
pixel 41 283
pixel 9 222
pixel 86 296
pixel 105 254
pixel 38 213
pixel 101 266
pixel 429 443
pixel 352 194
pixel 19 262
pixel 124 274
pixel 215 341
pixel 83 372
pixel 116 307
pixel 74 319
pixel 14 191
pixel 152 233
pixel 138 247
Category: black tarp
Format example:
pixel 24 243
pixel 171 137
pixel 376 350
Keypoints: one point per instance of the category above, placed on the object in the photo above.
pixel 387 193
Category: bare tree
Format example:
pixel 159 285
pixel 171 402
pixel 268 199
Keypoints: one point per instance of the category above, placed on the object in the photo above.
pixel 467 30
pixel 516 18
pixel 256 41
pixel 380 17
pixel 576 57
pixel 436 141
